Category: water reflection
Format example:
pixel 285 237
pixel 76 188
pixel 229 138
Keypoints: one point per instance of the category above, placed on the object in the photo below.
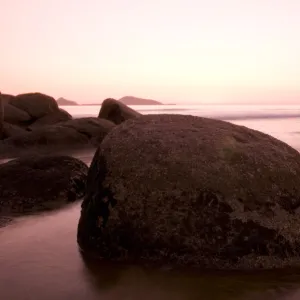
pixel 39 259
pixel 132 282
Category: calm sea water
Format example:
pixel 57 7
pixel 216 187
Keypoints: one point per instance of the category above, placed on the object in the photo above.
pixel 39 258
pixel 280 121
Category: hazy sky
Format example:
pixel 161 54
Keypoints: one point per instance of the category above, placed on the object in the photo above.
pixel 169 50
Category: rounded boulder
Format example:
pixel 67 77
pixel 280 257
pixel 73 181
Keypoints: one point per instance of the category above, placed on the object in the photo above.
pixel 116 111
pixel 36 105
pixel 191 191
pixel 35 183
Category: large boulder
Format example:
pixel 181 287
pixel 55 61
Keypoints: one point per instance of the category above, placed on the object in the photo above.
pixel 35 183
pixel 36 105
pixel 193 191
pixel 6 98
pixel 1 118
pixel 11 130
pixel 116 111
pixel 51 119
pixel 15 115
pixel 94 128
pixel 76 133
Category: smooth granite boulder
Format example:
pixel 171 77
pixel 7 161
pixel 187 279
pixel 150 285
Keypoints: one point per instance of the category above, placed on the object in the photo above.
pixel 51 119
pixel 116 111
pixel 35 183
pixel 191 191
pixel 36 105
pixel 69 135
pixel 15 115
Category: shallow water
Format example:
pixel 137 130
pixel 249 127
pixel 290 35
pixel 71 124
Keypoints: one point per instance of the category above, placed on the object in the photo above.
pixel 39 257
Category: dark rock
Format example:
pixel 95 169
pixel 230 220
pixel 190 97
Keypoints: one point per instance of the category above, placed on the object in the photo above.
pixel 1 117
pixel 94 128
pixel 51 119
pixel 77 133
pixel 6 98
pixel 15 115
pixel 35 183
pixel 192 191
pixel 116 111
pixel 36 105
pixel 11 130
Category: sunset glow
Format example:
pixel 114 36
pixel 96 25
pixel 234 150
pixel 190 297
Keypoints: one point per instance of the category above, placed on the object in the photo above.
pixel 170 50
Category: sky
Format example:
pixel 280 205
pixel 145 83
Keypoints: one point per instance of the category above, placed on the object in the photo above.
pixel 175 51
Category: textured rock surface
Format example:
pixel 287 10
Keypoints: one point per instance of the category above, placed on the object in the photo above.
pixel 11 130
pixel 193 191
pixel 35 183
pixel 51 119
pixel 74 133
pixel 116 111
pixel 15 115
pixel 36 105
pixel 94 128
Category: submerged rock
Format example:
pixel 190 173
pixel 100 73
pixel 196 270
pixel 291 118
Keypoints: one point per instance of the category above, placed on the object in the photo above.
pixel 116 111
pixel 35 183
pixel 190 191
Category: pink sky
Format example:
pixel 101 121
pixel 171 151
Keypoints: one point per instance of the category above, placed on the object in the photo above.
pixel 169 50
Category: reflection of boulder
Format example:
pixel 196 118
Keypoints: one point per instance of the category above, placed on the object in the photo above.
pixel 51 119
pixel 103 276
pixel 36 105
pixel 35 183
pixel 193 191
pixel 78 133
pixel 116 111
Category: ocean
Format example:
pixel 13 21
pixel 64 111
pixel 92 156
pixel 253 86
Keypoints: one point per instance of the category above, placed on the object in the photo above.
pixel 280 121
pixel 39 257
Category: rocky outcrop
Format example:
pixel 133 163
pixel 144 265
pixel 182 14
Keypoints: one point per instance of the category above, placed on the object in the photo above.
pixel 93 128
pixel 116 112
pixel 51 119
pixel 11 130
pixel 191 191
pixel 1 118
pixel 77 133
pixel 36 105
pixel 37 183
pixel 16 116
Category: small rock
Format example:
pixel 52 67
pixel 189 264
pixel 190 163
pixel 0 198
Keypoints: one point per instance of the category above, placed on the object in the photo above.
pixel 116 111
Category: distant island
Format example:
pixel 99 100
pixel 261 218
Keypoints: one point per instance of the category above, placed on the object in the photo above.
pixel 64 102
pixel 130 100
pixel 127 100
